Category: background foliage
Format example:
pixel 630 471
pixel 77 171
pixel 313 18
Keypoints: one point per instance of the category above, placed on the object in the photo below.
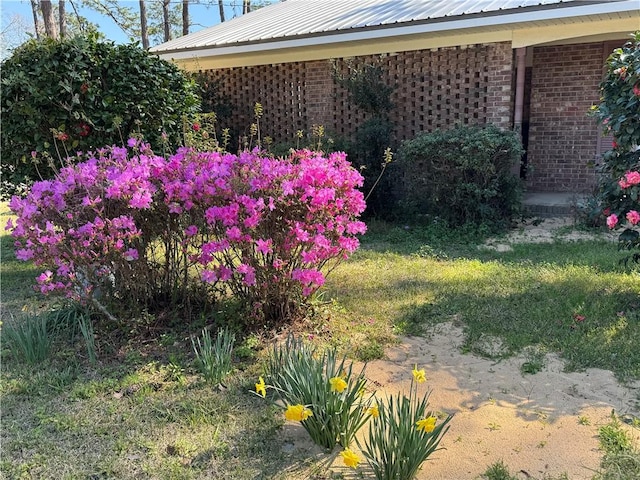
pixel 80 94
pixel 619 113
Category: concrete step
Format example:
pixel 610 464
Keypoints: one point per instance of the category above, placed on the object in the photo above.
pixel 551 204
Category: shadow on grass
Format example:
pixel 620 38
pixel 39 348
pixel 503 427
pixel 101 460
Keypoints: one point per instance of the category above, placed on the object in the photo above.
pixel 588 325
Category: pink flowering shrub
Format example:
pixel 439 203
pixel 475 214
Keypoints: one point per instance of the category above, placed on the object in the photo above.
pixel 91 226
pixel 131 228
pixel 266 227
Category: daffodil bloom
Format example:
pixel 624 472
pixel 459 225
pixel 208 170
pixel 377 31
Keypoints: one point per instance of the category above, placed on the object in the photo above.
pixel 337 384
pixel 419 375
pixel 426 424
pixel 350 459
pixel 297 413
pixel 261 388
pixel 373 411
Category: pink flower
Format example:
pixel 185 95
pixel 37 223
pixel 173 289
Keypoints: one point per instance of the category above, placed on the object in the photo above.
pixel 633 217
pixel 140 199
pixel 45 277
pixel 249 274
pixel 191 231
pixel 632 178
pixel 209 276
pixel 264 246
pixel 636 89
pixel 131 255
pixel 612 220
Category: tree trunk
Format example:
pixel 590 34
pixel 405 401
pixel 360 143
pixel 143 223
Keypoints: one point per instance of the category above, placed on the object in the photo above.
pixel 35 6
pixel 165 20
pixel 62 20
pixel 221 8
pixel 143 25
pixel 246 6
pixel 185 17
pixel 50 29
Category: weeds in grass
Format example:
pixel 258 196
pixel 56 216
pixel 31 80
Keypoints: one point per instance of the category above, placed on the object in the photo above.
pixel 621 460
pixel 498 471
pixel 214 358
pixel 613 439
pixel 535 359
pixel 30 337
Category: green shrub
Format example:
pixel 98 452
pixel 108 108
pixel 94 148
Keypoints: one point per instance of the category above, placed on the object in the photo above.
pixel 369 91
pixel 618 112
pixel 462 175
pixel 60 96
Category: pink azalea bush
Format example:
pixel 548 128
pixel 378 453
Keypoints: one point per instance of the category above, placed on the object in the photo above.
pixel 127 224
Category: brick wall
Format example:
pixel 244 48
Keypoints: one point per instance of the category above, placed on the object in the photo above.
pixel 433 89
pixel 562 137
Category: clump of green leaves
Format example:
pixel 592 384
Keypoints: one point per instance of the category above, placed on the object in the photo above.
pixel 621 460
pixel 213 358
pixel 79 93
pixel 325 391
pixel 30 336
pixel 403 434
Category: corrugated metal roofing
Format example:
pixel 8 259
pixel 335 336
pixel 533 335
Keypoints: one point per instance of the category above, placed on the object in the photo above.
pixel 304 18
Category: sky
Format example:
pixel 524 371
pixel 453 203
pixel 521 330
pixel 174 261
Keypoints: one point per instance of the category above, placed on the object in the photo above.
pixel 17 19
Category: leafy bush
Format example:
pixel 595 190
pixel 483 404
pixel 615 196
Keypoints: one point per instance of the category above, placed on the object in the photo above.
pixel 60 96
pixel 141 231
pixel 618 111
pixel 462 175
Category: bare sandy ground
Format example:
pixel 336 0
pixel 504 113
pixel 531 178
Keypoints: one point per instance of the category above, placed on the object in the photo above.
pixel 539 425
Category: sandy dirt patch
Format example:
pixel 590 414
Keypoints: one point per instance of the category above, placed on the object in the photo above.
pixel 545 230
pixel 541 424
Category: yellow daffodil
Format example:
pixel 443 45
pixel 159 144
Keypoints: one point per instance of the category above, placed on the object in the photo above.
pixel 261 388
pixel 350 459
pixel 426 424
pixel 297 413
pixel 373 411
pixel 419 375
pixel 337 384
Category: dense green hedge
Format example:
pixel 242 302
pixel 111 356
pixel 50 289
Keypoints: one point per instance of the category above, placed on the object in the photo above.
pixel 81 93
pixel 462 176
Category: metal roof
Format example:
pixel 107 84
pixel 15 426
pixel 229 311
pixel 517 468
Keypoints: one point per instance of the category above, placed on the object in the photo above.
pixel 296 19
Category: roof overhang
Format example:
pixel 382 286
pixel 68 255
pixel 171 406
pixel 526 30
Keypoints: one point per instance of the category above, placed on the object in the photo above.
pixel 581 23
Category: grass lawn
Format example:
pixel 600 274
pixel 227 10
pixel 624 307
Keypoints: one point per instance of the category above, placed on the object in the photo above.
pixel 142 411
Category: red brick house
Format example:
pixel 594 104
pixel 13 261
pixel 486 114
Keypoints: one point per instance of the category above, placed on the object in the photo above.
pixel 530 65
